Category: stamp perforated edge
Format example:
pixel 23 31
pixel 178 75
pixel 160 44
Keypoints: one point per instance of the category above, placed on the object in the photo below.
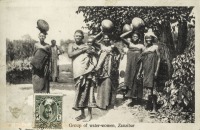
pixel 33 121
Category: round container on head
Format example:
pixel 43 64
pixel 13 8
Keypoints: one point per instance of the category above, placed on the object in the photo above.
pixel 127 28
pixel 107 25
pixel 137 23
pixel 42 25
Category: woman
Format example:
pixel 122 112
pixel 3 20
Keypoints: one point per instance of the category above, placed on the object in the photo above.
pixel 41 66
pixel 82 71
pixel 134 50
pixel 107 68
pixel 149 64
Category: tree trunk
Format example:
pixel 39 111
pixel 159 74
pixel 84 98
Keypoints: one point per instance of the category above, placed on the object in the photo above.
pixel 166 37
pixel 182 37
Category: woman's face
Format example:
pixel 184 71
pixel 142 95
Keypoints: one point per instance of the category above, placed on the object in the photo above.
pixel 42 37
pixel 135 37
pixel 148 40
pixel 78 37
pixel 106 39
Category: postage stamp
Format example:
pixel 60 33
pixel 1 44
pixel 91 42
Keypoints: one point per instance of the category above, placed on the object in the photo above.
pixel 48 111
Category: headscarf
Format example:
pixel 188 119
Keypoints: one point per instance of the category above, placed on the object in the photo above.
pixel 151 34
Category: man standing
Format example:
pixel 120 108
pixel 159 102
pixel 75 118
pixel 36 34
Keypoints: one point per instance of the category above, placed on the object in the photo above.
pixel 55 52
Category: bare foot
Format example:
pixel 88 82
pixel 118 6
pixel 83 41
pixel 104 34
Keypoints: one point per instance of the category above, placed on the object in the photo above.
pixel 78 118
pixel 88 118
pixel 153 112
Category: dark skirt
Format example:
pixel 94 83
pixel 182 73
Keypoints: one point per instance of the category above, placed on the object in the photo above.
pixel 105 93
pixel 40 81
pixel 149 61
pixel 131 74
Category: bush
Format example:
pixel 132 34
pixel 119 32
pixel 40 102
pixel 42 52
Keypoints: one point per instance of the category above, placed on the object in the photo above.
pixel 178 98
pixel 19 71
pixel 19 49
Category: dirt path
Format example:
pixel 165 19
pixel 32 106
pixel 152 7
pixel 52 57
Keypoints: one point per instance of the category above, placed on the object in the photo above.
pixel 21 97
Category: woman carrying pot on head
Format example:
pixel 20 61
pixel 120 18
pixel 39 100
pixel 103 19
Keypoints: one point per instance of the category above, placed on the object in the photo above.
pixel 81 55
pixel 135 48
pixel 149 65
pixel 41 61
pixel 107 72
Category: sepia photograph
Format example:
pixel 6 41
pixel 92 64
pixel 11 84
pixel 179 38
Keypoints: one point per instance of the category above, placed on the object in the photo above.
pixel 113 66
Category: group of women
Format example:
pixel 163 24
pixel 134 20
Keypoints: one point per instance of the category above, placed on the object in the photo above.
pixel 95 63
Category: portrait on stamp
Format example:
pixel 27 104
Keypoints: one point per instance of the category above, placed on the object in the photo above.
pixel 48 111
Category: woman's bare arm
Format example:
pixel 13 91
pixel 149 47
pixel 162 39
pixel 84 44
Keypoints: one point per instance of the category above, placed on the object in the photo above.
pixel 123 38
pixel 140 70
pixel 98 36
pixel 158 63
pixel 73 53
pixel 98 42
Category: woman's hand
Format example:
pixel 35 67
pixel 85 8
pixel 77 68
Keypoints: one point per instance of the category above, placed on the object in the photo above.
pixel 85 48
pixel 125 50
pixel 139 76
pixel 155 75
pixel 90 51
pixel 101 28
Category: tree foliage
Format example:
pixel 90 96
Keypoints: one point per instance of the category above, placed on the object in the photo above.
pixel 122 15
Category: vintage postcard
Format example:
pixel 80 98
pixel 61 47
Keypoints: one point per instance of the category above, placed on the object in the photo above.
pixel 111 64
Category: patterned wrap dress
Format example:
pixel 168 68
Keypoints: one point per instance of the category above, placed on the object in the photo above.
pixel 107 81
pixel 83 66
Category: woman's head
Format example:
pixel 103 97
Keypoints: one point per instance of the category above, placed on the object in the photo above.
pixel 42 37
pixel 106 39
pixel 135 36
pixel 78 36
pixel 148 39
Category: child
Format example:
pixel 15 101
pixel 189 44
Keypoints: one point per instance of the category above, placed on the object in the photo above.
pixel 81 55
